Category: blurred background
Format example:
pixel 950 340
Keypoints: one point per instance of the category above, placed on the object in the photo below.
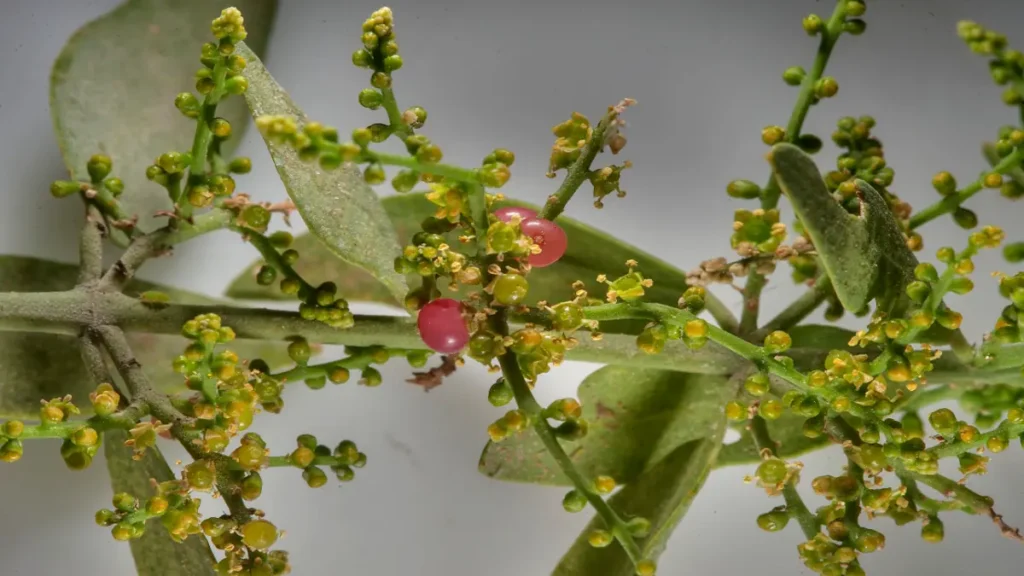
pixel 706 75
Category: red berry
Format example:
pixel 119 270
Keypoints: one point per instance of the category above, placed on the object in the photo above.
pixel 442 327
pixel 505 214
pixel 549 236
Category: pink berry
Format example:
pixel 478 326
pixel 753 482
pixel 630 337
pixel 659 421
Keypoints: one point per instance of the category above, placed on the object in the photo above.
pixel 441 326
pixel 505 214
pixel 549 236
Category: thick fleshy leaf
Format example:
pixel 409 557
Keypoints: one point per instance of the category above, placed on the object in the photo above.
pixel 662 495
pixel 787 431
pixel 113 85
pixel 637 417
pixel 865 255
pixel 34 366
pixel 590 252
pixel 155 553
pixel 339 207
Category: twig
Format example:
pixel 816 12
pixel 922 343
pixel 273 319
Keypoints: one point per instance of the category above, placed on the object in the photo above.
pixel 90 248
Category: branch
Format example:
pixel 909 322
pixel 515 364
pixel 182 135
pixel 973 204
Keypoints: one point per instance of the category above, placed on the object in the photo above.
pixel 950 203
pixel 770 197
pixel 90 248
pixel 794 503
pixel 137 383
pixel 580 169
pixel 528 404
pixel 158 242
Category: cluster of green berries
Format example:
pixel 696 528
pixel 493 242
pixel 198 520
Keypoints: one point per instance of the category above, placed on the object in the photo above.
pixel 11 447
pixel 178 513
pixel 309 456
pixel 101 191
pixel 81 445
pixel 1009 139
pixel 1006 64
pixel 1010 325
pixel 246 547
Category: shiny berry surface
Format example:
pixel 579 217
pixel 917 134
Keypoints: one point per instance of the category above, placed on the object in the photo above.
pixel 505 214
pixel 441 326
pixel 549 236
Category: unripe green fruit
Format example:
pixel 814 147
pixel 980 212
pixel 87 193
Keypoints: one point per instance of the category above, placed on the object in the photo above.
pixel 370 98
pixel 510 289
pixel 574 501
pixel 772 471
pixel 773 521
pixel 259 534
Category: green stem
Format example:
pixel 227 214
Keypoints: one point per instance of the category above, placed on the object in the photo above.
pixel 274 258
pixel 579 171
pixel 286 461
pixel 454 172
pixel 153 244
pixel 950 203
pixel 795 506
pixel 948 487
pixel 398 126
pixel 90 247
pixel 1005 431
pixel 203 137
pixel 770 196
pixel 357 361
pixel 529 405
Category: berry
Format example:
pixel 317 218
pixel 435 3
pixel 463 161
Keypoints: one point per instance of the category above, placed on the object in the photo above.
pixel 510 289
pixel 549 236
pixel 772 471
pixel 505 214
pixel 259 534
pixel 441 326
pixel 566 316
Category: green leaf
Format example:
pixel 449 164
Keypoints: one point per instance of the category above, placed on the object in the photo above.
pixel 787 431
pixel 820 337
pixel 662 495
pixel 988 149
pixel 155 553
pixel 637 417
pixel 865 255
pixel 34 366
pixel 590 252
pixel 339 207
pixel 113 85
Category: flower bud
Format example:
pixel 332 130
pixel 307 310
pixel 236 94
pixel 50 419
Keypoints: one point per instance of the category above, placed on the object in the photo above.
pixel 99 166
pixel 62 188
pixel 794 75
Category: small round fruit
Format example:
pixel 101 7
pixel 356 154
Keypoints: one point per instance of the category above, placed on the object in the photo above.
pixel 505 214
pixel 549 236
pixel 441 326
pixel 510 289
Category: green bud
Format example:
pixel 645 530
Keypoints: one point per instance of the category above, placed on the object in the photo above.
pixel 371 377
pixel 240 165
pixel 374 174
pixel 114 185
pixel 380 80
pixel 777 342
pixel 574 501
pixel 259 534
pixel 62 188
pixel 187 104
pixel 794 75
pixel 298 350
pixel 266 275
pixel 743 189
pixel 99 166
pixel 813 24
pixel 416 117
pixel 855 26
pixel 392 63
pixel 944 421
pixel 362 59
pixel 826 87
pixel 500 393
pixel 772 471
pixel 773 521
pixel 944 183
pixel 965 218
pixel 255 216
pixel 809 143
pixel 370 98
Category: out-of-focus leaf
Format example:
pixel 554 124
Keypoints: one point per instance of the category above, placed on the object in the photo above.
pixel 636 418
pixel 113 85
pixel 662 495
pixel 155 553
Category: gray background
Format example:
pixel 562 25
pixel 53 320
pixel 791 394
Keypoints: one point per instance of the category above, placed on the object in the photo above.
pixel 501 73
